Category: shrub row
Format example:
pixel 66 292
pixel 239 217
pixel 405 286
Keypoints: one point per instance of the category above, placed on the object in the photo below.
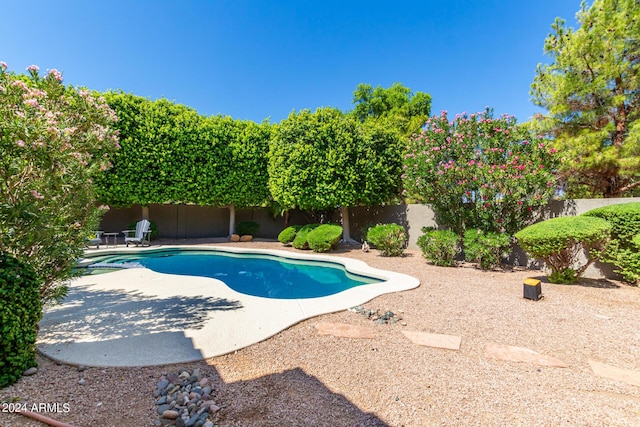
pixel 317 237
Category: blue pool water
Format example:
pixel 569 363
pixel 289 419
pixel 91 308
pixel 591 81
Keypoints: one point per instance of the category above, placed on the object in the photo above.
pixel 260 275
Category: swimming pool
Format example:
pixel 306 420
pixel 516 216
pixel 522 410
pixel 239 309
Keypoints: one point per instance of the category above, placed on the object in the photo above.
pixel 141 317
pixel 261 275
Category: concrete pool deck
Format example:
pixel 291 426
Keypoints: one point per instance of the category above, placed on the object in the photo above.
pixel 138 317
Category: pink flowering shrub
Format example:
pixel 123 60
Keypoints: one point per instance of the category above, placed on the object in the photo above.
pixel 54 140
pixel 477 171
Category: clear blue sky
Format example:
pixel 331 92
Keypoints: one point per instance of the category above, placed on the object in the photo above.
pixel 264 58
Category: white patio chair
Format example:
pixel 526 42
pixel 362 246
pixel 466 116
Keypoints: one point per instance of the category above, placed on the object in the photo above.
pixel 142 234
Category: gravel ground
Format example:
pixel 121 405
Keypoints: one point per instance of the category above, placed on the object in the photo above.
pixel 299 377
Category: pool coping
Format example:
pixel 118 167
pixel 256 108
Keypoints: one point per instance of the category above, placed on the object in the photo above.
pixel 121 318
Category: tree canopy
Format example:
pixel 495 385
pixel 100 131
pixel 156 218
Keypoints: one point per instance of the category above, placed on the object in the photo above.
pixel 326 159
pixel 592 93
pixel 406 110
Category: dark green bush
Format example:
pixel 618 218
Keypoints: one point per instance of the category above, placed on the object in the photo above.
pixel 391 239
pixel 153 227
pixel 287 235
pixel 486 248
pixel 625 226
pixel 20 312
pixel 559 242
pixel 247 228
pixel 300 241
pixel 324 237
pixel 439 246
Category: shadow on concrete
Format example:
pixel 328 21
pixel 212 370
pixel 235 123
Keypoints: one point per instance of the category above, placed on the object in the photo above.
pixel 118 314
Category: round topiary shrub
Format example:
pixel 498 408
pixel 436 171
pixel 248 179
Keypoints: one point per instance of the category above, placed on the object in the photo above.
pixel 300 241
pixel 559 242
pixel 622 251
pixel 249 228
pixel 324 237
pixel 20 312
pixel 439 246
pixel 287 235
pixel 391 239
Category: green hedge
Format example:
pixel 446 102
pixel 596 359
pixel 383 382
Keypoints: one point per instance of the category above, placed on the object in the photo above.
pixel 559 241
pixel 391 239
pixel 622 252
pixel 324 237
pixel 287 235
pixel 20 312
pixel 439 246
pixel 300 241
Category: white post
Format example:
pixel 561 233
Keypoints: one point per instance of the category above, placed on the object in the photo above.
pixel 346 234
pixel 232 219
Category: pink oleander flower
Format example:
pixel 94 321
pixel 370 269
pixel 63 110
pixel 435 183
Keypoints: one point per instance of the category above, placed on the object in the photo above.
pixel 20 143
pixel 104 207
pixel 56 74
pixel 33 68
pixel 3 65
pixel 31 102
pixel 37 195
pixel 20 84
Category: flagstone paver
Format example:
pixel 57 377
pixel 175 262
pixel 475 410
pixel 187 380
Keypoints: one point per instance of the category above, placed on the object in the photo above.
pixel 450 342
pixel 607 371
pixel 520 354
pixel 345 330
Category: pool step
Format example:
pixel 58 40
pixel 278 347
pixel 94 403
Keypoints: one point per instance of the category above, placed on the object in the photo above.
pixel 114 265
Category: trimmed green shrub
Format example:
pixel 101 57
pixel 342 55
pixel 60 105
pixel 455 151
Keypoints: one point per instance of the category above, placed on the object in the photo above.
pixel 486 248
pixel 287 235
pixel 153 227
pixel 636 240
pixel 300 241
pixel 391 239
pixel 622 251
pixel 247 228
pixel 559 241
pixel 324 237
pixel 20 312
pixel 439 246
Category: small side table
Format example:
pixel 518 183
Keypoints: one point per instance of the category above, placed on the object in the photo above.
pixel 111 239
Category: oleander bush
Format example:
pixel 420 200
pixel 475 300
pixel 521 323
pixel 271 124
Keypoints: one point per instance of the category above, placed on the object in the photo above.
pixel 486 248
pixel 247 228
pixel 324 237
pixel 20 312
pixel 439 246
pixel 622 252
pixel 560 241
pixel 300 241
pixel 390 239
pixel 287 235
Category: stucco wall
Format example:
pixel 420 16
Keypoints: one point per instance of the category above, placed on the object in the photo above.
pixel 190 221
